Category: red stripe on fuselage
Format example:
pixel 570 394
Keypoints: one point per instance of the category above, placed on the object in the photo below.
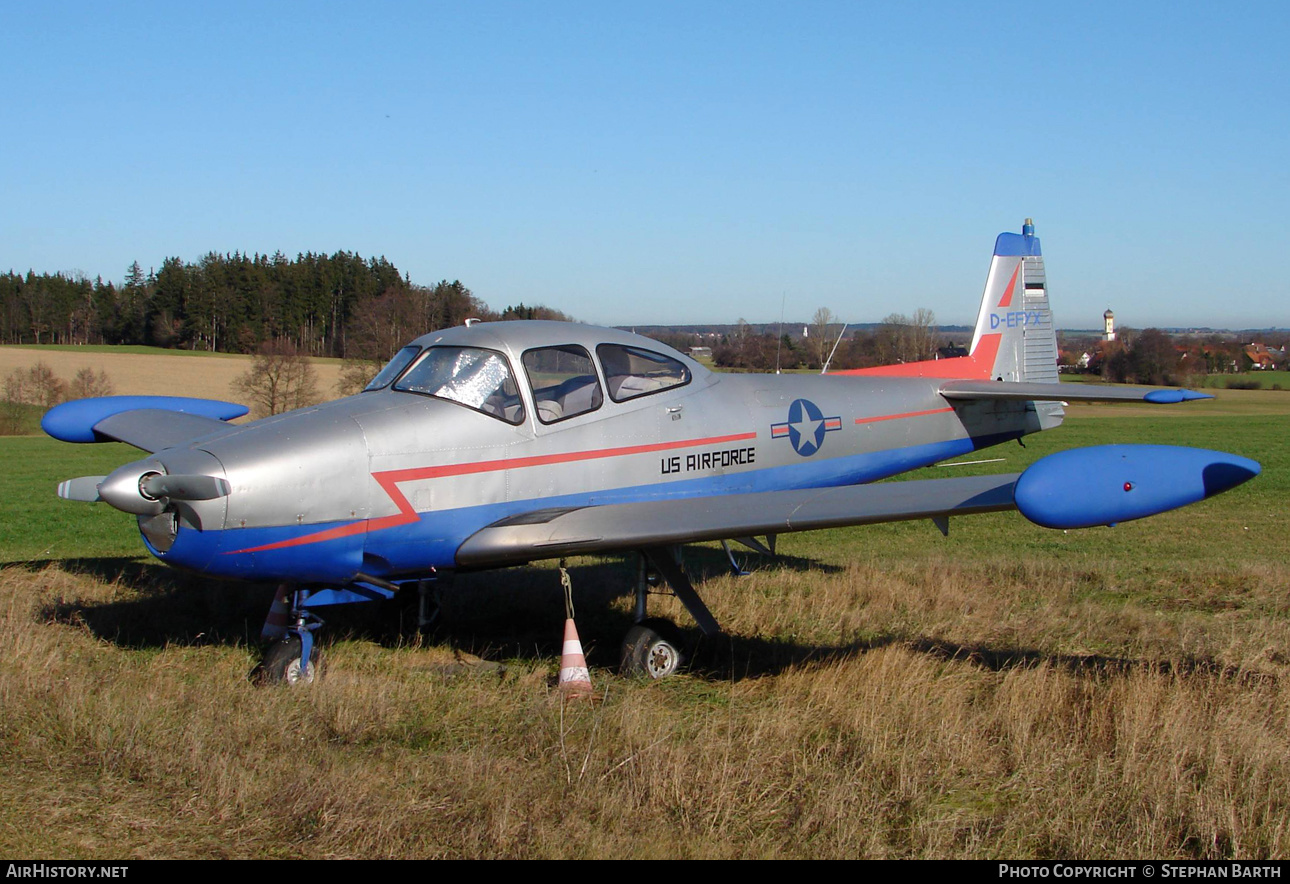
pixel 892 417
pixel 390 479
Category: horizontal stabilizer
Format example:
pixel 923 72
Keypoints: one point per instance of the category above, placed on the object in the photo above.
pixel 556 532
pixel 147 422
pixel 969 390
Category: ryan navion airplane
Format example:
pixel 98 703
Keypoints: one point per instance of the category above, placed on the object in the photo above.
pixel 501 443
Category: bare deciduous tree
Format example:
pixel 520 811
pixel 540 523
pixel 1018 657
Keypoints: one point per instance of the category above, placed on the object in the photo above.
pixel 13 411
pixel 45 388
pixel 87 384
pixel 823 342
pixel 903 338
pixel 280 379
pixel 25 387
pixel 355 374
pixel 923 337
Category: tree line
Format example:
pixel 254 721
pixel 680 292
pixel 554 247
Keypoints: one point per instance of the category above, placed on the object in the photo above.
pixel 1152 356
pixel 341 305
pixel 899 338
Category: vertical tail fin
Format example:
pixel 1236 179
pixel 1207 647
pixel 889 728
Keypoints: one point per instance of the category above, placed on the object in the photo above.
pixel 1014 338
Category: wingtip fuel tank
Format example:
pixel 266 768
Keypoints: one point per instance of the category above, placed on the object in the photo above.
pixel 1107 484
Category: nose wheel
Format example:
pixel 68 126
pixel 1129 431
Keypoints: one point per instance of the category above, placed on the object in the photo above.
pixel 283 663
pixel 291 657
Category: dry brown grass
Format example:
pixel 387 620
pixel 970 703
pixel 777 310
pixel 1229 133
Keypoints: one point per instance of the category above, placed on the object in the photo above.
pixel 942 710
pixel 133 374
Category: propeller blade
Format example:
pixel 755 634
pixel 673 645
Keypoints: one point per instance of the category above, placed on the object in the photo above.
pixel 84 488
pixel 199 487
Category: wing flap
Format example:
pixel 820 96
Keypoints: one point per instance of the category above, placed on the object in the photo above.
pixel 967 390
pixel 551 533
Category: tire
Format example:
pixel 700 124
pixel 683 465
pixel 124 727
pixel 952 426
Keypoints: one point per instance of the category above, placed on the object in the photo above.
pixel 281 664
pixel 652 649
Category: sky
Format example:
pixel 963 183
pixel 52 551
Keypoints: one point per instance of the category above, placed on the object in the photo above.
pixel 669 163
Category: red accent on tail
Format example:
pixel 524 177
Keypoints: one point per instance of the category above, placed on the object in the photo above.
pixel 976 366
pixel 1006 300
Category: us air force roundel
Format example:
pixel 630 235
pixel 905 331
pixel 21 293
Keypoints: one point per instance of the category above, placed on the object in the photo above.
pixel 805 427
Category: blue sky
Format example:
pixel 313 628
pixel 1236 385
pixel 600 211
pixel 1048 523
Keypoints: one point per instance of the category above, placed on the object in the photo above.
pixel 669 163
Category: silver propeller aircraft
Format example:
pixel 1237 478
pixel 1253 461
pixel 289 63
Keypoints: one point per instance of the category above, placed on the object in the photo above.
pixel 501 443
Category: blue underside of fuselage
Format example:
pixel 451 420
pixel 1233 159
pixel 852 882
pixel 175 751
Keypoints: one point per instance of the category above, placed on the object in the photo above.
pixel 432 541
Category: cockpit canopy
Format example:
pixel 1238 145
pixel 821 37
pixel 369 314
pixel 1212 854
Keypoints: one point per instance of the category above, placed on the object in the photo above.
pixel 564 380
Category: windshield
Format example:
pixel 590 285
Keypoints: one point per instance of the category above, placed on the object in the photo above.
pixel 470 376
pixel 393 368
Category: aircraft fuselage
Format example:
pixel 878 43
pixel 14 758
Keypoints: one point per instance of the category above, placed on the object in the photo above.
pixel 391 482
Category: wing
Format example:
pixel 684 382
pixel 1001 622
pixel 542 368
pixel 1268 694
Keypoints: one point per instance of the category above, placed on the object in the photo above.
pixel 962 390
pixel 555 532
pixel 1079 488
pixel 150 423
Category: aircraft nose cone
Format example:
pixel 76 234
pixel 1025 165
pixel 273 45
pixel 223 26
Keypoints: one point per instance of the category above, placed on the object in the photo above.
pixel 147 487
pixel 124 488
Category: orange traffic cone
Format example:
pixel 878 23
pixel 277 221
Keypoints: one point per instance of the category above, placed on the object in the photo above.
pixel 575 681
pixel 275 625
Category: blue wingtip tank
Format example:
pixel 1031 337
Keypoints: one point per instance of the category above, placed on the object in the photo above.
pixel 1107 484
pixel 1172 397
pixel 74 421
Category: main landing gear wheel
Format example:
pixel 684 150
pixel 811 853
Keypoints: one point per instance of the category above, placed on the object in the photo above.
pixel 652 648
pixel 281 664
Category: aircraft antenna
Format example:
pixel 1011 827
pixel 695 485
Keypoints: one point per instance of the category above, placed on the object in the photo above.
pixel 825 368
pixel 779 336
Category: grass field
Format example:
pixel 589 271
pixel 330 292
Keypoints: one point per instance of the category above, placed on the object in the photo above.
pixel 1265 379
pixel 882 692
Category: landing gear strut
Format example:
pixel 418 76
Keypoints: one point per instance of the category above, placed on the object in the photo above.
pixel 653 647
pixel 292 658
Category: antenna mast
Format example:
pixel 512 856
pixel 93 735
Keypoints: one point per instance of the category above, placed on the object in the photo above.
pixel 779 337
